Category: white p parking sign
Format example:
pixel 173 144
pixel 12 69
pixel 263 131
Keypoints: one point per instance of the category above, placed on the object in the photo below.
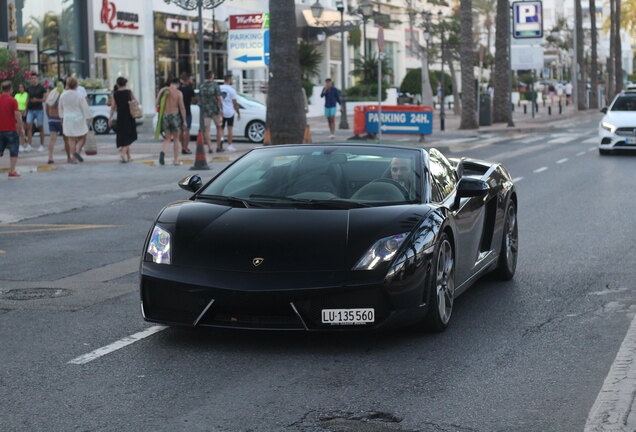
pixel 528 20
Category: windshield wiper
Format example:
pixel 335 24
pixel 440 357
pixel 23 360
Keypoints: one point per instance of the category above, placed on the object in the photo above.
pixel 330 203
pixel 228 199
pixel 280 198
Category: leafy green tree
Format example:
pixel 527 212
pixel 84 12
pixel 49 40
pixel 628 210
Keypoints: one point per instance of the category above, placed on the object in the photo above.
pixel 366 68
pixel 310 59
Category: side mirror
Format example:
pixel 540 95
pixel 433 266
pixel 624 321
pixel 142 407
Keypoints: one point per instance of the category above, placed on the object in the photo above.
pixel 191 183
pixel 471 187
pixel 604 110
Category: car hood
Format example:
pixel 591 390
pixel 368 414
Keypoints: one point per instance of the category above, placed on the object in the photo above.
pixel 218 237
pixel 621 118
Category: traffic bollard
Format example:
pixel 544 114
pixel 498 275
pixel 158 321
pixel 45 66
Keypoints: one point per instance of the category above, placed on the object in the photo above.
pixel 525 109
pixel 560 108
pixel 549 110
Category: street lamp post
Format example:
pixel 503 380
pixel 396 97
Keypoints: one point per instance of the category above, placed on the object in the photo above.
pixel 441 105
pixel 343 95
pixel 199 5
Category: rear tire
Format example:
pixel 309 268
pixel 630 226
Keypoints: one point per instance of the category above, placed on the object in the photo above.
pixel 507 264
pixel 442 287
pixel 604 152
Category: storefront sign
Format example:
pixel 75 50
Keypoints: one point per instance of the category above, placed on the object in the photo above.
pixel 178 25
pixel 121 17
pixel 248 41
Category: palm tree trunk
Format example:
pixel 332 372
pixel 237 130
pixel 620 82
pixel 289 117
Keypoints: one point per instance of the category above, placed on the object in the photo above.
pixel 285 111
pixel 457 104
pixel 610 59
pixel 427 92
pixel 580 76
pixel 594 65
pixel 618 55
pixel 467 62
pixel 501 107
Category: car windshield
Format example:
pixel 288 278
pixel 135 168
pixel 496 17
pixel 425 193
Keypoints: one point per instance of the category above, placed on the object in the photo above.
pixel 624 103
pixel 322 177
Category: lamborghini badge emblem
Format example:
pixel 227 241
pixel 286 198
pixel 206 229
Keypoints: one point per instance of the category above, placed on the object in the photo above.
pixel 257 261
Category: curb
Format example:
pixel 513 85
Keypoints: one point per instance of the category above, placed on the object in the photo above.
pixel 30 168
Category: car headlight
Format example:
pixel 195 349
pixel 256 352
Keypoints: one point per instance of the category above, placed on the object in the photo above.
pixel 383 250
pixel 608 126
pixel 159 246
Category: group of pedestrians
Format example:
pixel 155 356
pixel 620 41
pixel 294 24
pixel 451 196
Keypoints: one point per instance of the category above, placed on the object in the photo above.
pixel 69 117
pixel 67 111
pixel 218 105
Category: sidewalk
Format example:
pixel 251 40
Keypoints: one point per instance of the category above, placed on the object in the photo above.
pixel 146 149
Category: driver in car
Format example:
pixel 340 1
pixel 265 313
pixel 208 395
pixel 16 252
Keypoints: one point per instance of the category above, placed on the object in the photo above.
pixel 402 171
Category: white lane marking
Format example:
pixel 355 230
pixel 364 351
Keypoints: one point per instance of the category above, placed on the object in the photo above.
pixel 591 149
pixel 517 179
pixel 562 140
pixel 592 140
pixel 580 153
pixel 519 137
pixel 99 352
pixel 612 410
pixel 560 161
pixel 531 139
pixel 540 170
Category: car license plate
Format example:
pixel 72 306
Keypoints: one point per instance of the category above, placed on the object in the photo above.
pixel 348 316
pixel 630 140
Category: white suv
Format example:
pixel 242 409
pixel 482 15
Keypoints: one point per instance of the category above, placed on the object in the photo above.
pixel 617 130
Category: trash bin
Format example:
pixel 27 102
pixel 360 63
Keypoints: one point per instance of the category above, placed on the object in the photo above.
pixel 485 110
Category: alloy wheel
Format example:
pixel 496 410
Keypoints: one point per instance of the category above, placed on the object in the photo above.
pixel 445 281
pixel 256 131
pixel 100 125
pixel 512 238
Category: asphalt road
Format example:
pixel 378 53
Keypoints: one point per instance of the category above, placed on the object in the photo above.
pixel 525 355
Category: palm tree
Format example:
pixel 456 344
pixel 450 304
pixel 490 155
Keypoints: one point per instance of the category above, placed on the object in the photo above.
pixel 501 107
pixel 310 59
pixel 366 68
pixel 594 65
pixel 285 111
pixel 422 52
pixel 487 9
pixel 580 76
pixel 618 56
pixel 467 62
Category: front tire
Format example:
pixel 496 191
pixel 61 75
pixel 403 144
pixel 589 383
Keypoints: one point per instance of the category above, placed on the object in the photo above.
pixel 442 294
pixel 507 264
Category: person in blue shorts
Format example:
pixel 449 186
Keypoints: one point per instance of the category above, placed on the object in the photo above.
pixel 332 97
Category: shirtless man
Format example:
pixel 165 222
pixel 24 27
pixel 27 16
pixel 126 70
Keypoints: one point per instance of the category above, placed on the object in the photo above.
pixel 173 121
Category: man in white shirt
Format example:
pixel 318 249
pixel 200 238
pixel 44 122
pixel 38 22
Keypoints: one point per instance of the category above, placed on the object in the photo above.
pixel 230 108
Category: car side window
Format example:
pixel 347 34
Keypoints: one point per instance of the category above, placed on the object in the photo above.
pixel 443 176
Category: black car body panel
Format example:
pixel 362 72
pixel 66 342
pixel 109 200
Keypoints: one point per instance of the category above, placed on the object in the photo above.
pixel 278 268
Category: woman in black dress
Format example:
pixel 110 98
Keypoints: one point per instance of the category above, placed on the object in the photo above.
pixel 126 128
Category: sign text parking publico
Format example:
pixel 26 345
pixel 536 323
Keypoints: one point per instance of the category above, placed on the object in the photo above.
pixel 248 41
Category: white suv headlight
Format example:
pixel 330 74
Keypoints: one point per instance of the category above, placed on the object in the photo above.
pixel 608 126
pixel 159 246
pixel 383 250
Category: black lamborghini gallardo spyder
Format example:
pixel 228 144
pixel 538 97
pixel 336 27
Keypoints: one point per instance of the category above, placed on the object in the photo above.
pixel 330 237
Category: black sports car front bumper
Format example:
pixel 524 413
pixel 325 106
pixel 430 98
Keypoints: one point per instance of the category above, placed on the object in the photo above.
pixel 274 301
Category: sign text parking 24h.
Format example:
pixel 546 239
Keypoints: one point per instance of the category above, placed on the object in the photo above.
pixel 400 122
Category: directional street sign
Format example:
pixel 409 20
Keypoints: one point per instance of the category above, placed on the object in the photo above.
pixel 248 41
pixel 400 122
pixel 528 20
